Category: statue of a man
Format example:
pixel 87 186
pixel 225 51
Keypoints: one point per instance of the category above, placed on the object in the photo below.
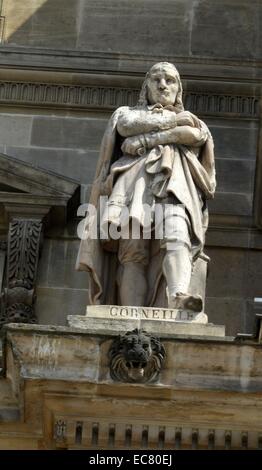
pixel 155 154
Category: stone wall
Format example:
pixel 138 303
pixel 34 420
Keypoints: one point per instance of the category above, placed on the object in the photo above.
pixel 65 66
pixel 227 29
pixel 58 394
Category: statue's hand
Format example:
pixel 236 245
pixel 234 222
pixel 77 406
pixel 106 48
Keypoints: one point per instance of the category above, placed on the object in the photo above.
pixel 134 145
pixel 185 118
pixel 167 118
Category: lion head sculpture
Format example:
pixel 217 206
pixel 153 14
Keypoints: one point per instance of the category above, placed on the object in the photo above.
pixel 136 356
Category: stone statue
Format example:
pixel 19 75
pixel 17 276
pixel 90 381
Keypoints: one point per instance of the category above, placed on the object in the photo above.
pixel 154 155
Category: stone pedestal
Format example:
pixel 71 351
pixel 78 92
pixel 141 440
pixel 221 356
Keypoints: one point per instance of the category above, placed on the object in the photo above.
pixel 114 319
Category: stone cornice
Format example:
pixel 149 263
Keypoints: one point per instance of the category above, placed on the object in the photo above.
pixel 35 193
pixel 20 57
pixel 103 81
pixel 26 178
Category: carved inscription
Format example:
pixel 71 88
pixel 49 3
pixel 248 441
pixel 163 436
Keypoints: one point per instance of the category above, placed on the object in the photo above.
pixel 146 313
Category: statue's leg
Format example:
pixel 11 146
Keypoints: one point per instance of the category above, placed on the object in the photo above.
pixel 133 256
pixel 177 269
pixel 177 263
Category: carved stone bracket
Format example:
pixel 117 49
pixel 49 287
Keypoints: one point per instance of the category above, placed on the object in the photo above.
pixel 137 357
pixel 24 239
pixel 60 431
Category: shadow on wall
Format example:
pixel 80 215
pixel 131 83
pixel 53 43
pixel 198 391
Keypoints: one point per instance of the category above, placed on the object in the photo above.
pixel 188 28
pixel 40 23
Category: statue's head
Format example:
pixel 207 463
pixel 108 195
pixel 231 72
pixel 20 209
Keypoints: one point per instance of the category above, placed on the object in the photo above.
pixel 162 85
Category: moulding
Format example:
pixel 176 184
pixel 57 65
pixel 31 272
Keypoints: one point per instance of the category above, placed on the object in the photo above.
pixel 36 94
pixel 131 63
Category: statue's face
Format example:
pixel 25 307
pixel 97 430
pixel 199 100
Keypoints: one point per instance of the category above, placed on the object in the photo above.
pixel 162 86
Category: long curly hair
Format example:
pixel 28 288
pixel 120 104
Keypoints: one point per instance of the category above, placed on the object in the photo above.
pixel 143 96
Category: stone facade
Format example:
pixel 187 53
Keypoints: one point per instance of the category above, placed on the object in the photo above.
pixel 58 394
pixel 64 67
pixel 64 70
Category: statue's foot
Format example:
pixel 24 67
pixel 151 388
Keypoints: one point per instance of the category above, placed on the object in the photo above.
pixel 186 302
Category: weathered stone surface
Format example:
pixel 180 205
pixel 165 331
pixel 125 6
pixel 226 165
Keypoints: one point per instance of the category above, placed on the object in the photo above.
pixel 67 384
pixel 34 181
pixel 236 148
pixel 227 29
pixel 79 164
pixel 249 322
pixel 130 25
pixel 231 26
pixel 77 354
pixel 227 289
pixel 235 175
pixel 54 304
pixel 244 76
pixel 233 283
pixel 234 139
pixel 253 274
pixel 234 237
pixel 110 319
pixel 155 327
pixel 15 129
pixel 41 22
pixel 34 193
pixel 143 313
pixel 227 277
pixel 57 263
pixel 234 204
pixel 227 311
pixel 58 132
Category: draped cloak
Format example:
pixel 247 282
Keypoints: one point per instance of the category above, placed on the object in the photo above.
pixel 186 172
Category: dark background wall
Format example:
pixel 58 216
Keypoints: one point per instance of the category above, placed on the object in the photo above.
pixel 65 65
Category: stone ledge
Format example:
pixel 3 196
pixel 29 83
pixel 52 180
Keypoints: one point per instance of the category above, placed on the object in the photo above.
pixel 112 62
pixel 107 320
pixel 61 378
pixel 192 362
pixel 67 331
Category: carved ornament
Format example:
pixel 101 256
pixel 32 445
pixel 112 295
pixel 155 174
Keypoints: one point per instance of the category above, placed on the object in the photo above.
pixel 24 240
pixel 137 357
pixel 87 96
